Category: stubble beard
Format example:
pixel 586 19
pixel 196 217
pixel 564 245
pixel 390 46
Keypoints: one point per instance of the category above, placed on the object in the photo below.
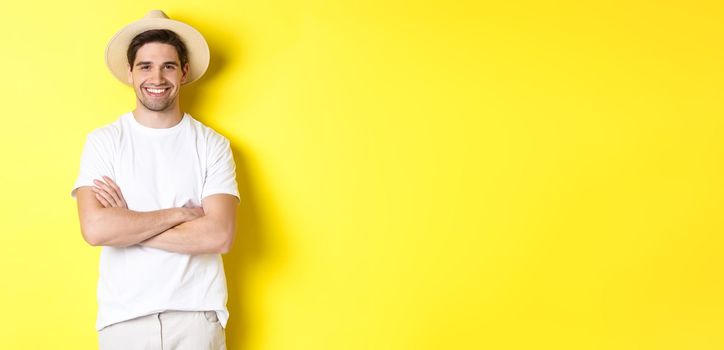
pixel 155 105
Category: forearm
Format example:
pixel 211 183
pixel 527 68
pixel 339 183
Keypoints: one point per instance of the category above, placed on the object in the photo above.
pixel 204 235
pixel 120 227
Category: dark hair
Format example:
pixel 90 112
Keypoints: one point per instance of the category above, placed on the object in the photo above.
pixel 163 36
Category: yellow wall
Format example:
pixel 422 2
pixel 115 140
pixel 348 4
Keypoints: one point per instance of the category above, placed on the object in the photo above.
pixel 415 174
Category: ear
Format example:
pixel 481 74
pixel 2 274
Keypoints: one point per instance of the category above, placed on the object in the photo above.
pixel 130 75
pixel 185 73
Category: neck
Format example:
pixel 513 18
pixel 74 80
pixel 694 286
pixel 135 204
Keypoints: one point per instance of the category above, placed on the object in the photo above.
pixel 158 119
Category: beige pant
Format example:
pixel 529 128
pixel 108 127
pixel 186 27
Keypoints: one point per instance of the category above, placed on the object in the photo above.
pixel 168 330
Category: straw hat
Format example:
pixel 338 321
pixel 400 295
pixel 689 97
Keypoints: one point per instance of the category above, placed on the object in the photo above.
pixel 198 50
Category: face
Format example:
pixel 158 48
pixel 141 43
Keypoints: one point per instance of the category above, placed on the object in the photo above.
pixel 157 76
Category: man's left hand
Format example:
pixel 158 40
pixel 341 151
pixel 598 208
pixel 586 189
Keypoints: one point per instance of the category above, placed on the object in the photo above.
pixel 109 194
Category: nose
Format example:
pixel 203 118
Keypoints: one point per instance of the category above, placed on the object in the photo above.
pixel 156 76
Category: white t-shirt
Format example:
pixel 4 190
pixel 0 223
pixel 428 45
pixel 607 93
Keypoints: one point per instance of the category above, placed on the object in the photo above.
pixel 158 169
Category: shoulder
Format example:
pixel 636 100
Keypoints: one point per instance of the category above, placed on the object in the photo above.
pixel 106 133
pixel 210 136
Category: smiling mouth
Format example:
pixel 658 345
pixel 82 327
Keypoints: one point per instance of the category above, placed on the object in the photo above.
pixel 156 92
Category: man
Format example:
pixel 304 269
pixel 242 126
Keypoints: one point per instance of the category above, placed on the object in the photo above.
pixel 157 189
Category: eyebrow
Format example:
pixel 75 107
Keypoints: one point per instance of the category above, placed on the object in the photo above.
pixel 143 63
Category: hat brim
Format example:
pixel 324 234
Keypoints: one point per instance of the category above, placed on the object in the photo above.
pixel 198 49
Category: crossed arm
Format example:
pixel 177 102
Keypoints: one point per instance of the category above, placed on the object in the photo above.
pixel 106 220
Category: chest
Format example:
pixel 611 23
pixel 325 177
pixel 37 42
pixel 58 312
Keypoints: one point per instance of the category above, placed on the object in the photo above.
pixel 160 172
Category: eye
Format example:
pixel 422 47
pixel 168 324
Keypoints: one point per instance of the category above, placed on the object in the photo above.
pixel 145 67
pixel 170 66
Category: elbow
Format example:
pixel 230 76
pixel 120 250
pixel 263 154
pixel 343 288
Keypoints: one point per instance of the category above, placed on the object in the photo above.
pixel 224 249
pixel 90 232
pixel 224 244
pixel 91 238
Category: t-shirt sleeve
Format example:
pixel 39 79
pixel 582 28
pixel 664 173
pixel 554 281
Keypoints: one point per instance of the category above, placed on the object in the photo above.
pixel 95 162
pixel 220 170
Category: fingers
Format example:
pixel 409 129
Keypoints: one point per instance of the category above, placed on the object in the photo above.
pixel 110 193
pixel 102 197
pixel 195 213
pixel 199 211
pixel 115 199
pixel 117 190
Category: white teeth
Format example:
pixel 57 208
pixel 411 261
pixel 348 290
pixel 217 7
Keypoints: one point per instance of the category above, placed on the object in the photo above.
pixel 155 91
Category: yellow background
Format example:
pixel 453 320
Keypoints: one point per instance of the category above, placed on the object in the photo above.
pixel 415 174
